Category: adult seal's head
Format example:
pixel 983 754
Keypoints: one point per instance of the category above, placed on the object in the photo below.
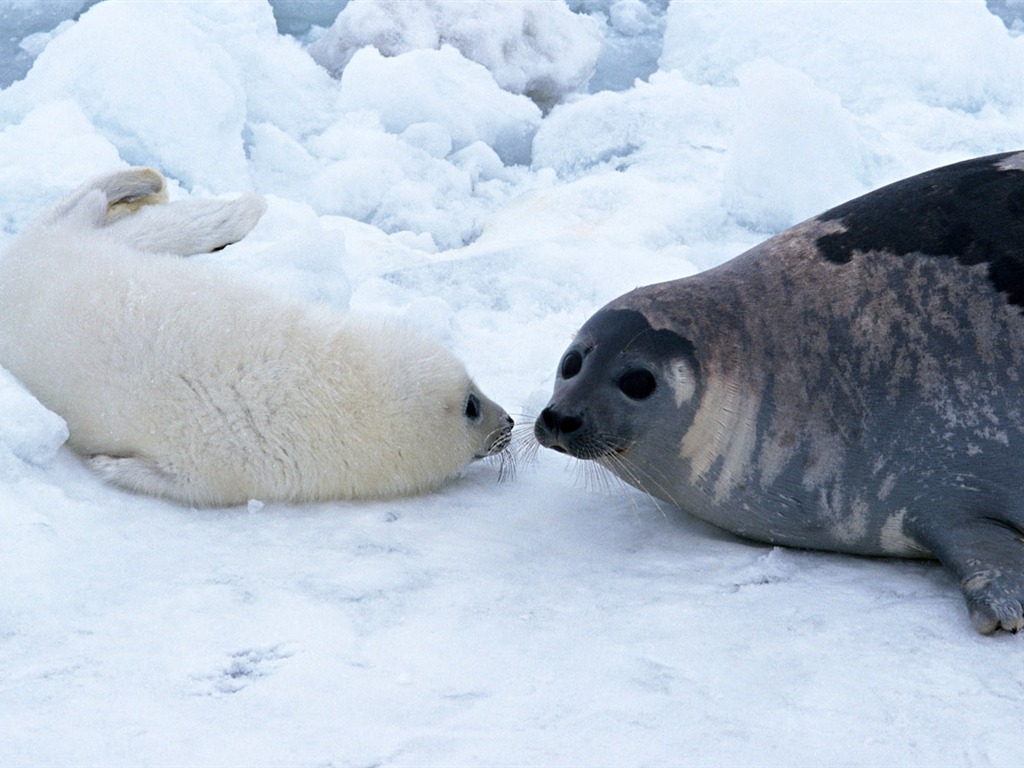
pixel 617 384
pixel 853 384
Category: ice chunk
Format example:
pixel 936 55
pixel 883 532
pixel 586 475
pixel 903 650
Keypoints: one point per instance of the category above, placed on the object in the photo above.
pixel 27 429
pixel 542 50
pixel 442 87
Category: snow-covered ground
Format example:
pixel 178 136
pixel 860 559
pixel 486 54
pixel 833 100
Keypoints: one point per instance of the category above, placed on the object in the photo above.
pixel 469 177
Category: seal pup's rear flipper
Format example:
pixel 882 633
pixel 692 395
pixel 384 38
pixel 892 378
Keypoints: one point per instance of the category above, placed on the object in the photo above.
pixel 136 213
pixel 131 190
pixel 188 227
pixel 125 192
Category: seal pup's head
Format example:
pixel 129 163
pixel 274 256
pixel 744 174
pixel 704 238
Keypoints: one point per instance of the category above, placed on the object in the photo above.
pixel 414 415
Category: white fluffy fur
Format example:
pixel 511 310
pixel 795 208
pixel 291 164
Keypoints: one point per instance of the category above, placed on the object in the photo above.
pixel 177 382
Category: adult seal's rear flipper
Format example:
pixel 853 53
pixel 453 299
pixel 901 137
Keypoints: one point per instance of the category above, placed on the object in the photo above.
pixel 984 550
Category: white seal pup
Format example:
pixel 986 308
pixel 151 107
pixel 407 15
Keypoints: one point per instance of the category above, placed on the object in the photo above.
pixel 177 381
pixel 853 384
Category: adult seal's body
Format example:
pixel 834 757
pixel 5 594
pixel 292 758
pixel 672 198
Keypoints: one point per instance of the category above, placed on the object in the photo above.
pixel 855 384
pixel 179 381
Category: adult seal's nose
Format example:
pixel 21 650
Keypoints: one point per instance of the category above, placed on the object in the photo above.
pixel 555 429
pixel 558 423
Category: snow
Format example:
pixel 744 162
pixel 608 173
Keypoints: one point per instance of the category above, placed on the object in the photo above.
pixel 556 618
pixel 25 28
pixel 440 88
pixel 541 49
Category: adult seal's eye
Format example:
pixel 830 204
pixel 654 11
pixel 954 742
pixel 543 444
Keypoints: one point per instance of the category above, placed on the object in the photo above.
pixel 637 385
pixel 571 364
pixel 472 408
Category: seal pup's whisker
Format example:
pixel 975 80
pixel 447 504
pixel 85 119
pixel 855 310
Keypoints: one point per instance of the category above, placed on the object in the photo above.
pixel 524 444
pixel 506 461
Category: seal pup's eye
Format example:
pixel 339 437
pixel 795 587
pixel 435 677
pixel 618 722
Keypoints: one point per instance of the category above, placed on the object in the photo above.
pixel 571 364
pixel 472 408
pixel 638 384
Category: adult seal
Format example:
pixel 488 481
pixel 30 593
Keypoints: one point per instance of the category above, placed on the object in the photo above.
pixel 853 384
pixel 178 380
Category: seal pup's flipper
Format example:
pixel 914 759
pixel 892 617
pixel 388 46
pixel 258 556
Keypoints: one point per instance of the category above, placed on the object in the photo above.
pixel 136 212
pixel 125 192
pixel 131 190
pixel 188 227
pixel 139 475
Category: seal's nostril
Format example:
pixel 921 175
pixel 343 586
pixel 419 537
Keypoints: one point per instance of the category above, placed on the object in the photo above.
pixel 548 419
pixel 570 424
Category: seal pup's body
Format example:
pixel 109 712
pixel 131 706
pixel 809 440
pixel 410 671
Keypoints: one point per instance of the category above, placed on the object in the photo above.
pixel 176 380
pixel 852 384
